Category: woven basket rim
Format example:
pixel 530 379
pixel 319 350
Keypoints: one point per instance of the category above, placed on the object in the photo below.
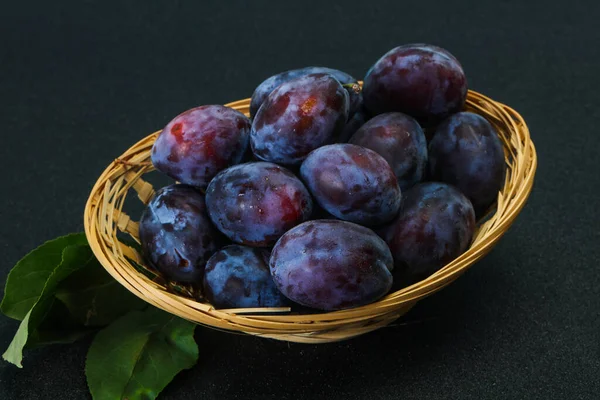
pixel 125 173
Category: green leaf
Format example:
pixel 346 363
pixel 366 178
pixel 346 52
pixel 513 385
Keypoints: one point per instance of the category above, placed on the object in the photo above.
pixel 139 354
pixel 27 279
pixel 95 298
pixel 57 327
pixel 73 258
pixel 14 353
pixel 65 333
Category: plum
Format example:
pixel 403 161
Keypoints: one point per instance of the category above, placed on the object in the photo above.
pixel 255 203
pixel 354 123
pixel 421 80
pixel 466 152
pixel 435 225
pixel 238 277
pixel 331 265
pixel 268 85
pixel 297 117
pixel 399 139
pixel 176 234
pixel 200 142
pixel 352 183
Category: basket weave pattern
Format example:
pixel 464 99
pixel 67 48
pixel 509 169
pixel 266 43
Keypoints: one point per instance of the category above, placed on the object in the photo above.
pixel 104 218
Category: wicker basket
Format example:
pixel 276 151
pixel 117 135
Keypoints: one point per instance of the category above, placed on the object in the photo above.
pixel 104 218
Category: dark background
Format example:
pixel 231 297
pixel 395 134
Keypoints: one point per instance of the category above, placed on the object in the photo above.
pixel 81 81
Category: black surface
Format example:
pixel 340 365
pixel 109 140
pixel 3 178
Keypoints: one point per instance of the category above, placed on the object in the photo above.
pixel 80 81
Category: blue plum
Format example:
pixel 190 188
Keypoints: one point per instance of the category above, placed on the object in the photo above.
pixel 354 123
pixel 238 277
pixel 352 183
pixel 255 203
pixel 267 86
pixel 200 142
pixel 297 117
pixel 176 234
pixel 424 81
pixel 331 265
pixel 435 225
pixel 400 140
pixel 466 152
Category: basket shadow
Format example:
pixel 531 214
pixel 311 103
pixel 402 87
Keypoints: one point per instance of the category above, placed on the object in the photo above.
pixel 439 329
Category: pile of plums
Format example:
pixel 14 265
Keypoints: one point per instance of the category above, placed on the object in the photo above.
pixel 328 193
